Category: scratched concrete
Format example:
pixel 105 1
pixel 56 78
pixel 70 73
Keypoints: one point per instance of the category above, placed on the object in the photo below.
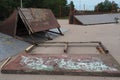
pixel 108 34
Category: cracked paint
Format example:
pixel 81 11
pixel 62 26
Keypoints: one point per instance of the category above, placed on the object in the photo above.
pixel 52 63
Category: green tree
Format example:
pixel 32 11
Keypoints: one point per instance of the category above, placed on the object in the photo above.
pixel 106 6
pixel 33 3
pixel 71 5
pixel 57 6
pixel 71 13
pixel 7 7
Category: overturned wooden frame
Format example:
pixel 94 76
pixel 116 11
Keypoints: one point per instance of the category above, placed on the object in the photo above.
pixel 97 44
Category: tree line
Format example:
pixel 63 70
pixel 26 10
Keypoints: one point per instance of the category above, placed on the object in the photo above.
pixel 106 6
pixel 58 7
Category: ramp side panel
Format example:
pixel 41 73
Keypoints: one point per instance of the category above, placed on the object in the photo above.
pixel 8 26
pixel 40 19
pixel 77 21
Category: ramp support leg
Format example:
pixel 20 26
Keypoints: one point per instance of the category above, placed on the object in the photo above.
pixel 60 32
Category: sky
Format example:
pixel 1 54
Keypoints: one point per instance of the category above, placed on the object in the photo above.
pixel 88 4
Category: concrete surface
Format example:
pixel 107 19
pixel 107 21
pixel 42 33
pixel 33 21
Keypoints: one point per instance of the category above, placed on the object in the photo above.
pixel 108 34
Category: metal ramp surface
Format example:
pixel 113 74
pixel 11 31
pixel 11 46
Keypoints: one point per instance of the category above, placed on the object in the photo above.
pixel 10 46
pixel 97 19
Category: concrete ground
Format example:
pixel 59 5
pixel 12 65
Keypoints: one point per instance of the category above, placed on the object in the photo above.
pixel 108 34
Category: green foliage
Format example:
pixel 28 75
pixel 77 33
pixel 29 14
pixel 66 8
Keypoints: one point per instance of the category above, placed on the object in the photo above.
pixel 33 3
pixel 106 6
pixel 6 7
pixel 58 7
pixel 72 5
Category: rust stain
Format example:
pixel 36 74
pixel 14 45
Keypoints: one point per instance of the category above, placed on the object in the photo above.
pixel 40 19
pixel 34 19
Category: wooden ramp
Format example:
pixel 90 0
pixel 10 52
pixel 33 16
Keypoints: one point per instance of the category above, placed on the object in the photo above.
pixel 29 22
pixel 79 64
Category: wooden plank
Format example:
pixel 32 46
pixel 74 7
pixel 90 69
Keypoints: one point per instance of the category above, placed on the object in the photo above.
pixel 66 48
pixel 103 65
pixel 28 49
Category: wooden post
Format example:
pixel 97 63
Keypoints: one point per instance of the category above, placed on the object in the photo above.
pixel 29 48
pixel 66 48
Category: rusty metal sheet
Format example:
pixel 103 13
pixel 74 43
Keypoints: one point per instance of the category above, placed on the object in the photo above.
pixel 79 64
pixel 9 25
pixel 39 19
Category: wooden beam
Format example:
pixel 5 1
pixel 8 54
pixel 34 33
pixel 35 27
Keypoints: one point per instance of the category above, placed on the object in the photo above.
pixel 5 62
pixel 29 48
pixel 66 48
